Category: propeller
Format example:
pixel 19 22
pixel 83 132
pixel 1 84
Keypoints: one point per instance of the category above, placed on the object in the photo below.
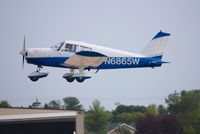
pixel 23 52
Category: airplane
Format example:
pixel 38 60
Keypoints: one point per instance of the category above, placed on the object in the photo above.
pixel 82 56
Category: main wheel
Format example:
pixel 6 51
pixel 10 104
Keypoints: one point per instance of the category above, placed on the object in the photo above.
pixel 34 79
pixel 80 79
pixel 70 79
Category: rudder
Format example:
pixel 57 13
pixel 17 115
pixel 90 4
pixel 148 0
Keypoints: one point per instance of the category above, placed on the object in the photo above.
pixel 157 45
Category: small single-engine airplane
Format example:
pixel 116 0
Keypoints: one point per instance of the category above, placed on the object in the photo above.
pixel 84 56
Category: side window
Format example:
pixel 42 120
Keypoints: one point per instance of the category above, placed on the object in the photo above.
pixel 70 48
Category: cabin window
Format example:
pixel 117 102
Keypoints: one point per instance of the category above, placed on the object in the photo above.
pixel 70 48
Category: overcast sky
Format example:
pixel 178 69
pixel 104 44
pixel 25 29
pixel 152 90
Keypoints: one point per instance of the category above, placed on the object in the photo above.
pixel 121 24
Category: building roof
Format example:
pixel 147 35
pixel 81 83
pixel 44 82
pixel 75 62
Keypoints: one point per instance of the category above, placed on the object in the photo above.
pixel 132 129
pixel 16 114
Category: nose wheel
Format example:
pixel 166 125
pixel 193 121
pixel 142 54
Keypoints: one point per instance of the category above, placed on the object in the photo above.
pixel 35 76
pixel 34 79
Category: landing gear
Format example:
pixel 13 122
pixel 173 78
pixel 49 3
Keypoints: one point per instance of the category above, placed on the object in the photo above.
pixel 80 77
pixel 70 79
pixel 34 79
pixel 69 76
pixel 39 68
pixel 35 76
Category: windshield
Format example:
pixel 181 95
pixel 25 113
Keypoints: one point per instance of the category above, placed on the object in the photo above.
pixel 58 46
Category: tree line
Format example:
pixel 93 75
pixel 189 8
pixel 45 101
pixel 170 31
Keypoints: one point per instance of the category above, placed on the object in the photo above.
pixel 181 115
pixel 71 103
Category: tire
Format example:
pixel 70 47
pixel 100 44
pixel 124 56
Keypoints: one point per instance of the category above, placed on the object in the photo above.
pixel 70 79
pixel 34 79
pixel 80 79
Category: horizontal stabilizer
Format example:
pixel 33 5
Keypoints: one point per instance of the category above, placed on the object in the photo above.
pixel 157 63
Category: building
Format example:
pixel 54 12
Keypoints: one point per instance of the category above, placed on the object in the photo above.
pixel 120 127
pixel 40 121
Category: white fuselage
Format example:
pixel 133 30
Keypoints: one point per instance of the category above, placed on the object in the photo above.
pixel 50 52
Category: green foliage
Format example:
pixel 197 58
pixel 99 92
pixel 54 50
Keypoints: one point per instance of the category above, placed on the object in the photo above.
pixel 127 114
pixel 122 130
pixel 127 117
pixel 186 105
pixel 172 101
pixel 97 118
pixel 72 103
pixel 4 104
pixel 189 130
pixel 162 110
pixel 54 104
pixel 129 109
pixel 152 109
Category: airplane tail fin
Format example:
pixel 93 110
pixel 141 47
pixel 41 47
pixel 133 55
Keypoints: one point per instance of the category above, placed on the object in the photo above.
pixel 157 45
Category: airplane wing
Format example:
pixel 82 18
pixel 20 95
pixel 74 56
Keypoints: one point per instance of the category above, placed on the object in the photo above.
pixel 86 59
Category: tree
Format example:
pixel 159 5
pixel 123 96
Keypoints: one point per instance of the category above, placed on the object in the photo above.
pixel 189 130
pixel 72 103
pixel 172 101
pixel 186 106
pixel 97 118
pixel 4 104
pixel 129 109
pixel 162 110
pixel 156 124
pixel 127 118
pixel 46 106
pixel 152 109
pixel 127 114
pixel 171 125
pixel 149 124
pixel 54 104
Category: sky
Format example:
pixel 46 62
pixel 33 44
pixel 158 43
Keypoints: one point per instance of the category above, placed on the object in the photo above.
pixel 125 25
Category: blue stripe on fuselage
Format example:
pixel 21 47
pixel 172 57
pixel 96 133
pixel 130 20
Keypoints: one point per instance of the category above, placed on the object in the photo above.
pixel 47 61
pixel 128 62
pixel 110 63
